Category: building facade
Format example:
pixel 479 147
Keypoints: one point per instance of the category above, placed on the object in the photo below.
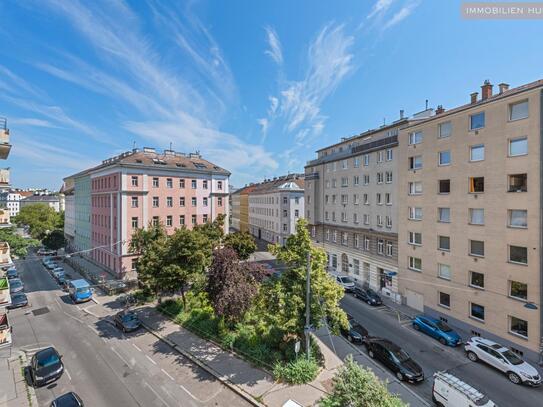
pixel 142 187
pixel 9 201
pixel 82 213
pixel 470 215
pixel 53 201
pixel 352 208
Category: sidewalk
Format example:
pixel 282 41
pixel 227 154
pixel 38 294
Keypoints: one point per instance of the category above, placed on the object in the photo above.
pixel 14 390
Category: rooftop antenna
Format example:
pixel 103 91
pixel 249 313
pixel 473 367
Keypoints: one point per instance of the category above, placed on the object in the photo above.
pixel 384 121
pixel 426 104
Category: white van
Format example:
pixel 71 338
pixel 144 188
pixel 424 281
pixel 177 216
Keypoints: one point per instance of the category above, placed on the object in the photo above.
pixel 345 281
pixel 450 391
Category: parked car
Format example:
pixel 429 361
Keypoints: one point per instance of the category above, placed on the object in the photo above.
pixel 80 290
pixel 346 282
pixel 355 332
pixel 12 273
pixel 437 329
pixel 113 287
pixel 18 300
pixel 46 366
pixel 70 399
pixel 63 282
pixel 127 321
pixel 50 265
pixel 449 391
pixel 45 252
pixel 395 358
pixel 367 295
pixel 517 370
pixel 15 286
pixel 58 272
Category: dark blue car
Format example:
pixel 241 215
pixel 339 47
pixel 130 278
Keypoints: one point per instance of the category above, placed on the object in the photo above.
pixel 437 329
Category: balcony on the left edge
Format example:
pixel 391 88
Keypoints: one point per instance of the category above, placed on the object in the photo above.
pixel 5 146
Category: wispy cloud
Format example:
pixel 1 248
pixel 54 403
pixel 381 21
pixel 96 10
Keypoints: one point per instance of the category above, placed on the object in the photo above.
pixel 402 14
pixel 263 123
pixel 380 7
pixel 275 50
pixel 29 121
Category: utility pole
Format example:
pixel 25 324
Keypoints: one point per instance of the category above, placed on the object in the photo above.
pixel 307 305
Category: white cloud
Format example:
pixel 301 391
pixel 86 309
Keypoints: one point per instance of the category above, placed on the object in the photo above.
pixel 401 15
pixel 380 7
pixel 29 121
pixel 264 123
pixel 274 103
pixel 275 51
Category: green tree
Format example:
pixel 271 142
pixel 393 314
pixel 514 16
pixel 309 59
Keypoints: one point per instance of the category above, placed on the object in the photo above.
pixel 283 299
pixel 214 231
pixel 355 386
pixel 54 240
pixel 40 218
pixel 18 244
pixel 242 242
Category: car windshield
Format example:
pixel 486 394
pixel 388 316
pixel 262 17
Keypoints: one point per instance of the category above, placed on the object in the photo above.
pixel 346 280
pixel 82 290
pixel 512 358
pixel 18 297
pixel 50 358
pixel 443 326
pixel 16 283
pixel 129 317
pixel 400 355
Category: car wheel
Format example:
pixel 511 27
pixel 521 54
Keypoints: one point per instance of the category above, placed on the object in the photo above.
pixel 371 354
pixel 442 341
pixel 350 338
pixel 416 327
pixel 368 302
pixel 473 357
pixel 399 375
pixel 514 378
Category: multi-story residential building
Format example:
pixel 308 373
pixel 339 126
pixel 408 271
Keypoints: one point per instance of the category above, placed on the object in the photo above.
pixel 240 208
pixel 235 207
pixel 53 201
pixel 82 212
pixel 275 206
pixel 470 201
pixel 5 258
pixel 352 208
pixel 142 187
pixel 9 200
pixel 68 197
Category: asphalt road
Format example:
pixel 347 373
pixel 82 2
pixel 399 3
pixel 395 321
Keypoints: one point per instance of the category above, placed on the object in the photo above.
pixel 433 357
pixel 104 366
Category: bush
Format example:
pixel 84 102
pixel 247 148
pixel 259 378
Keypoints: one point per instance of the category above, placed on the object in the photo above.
pixel 296 372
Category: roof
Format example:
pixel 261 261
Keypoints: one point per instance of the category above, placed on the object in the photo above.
pixel 41 198
pixel 80 283
pixel 288 182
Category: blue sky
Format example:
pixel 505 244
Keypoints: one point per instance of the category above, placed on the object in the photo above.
pixel 255 86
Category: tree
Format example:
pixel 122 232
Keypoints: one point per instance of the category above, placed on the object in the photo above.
pixel 231 285
pixel 214 231
pixel 40 218
pixel 242 242
pixel 18 245
pixel 355 386
pixel 283 299
pixel 54 240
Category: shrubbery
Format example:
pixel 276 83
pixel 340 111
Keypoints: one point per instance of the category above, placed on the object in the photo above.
pixel 298 371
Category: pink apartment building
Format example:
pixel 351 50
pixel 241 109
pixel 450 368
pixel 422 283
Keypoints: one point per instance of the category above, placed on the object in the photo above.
pixel 143 187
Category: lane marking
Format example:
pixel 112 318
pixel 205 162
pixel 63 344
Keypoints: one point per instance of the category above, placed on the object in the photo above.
pixel 94 300
pixel 68 374
pixel 119 355
pixel 71 316
pixel 136 346
pixel 189 393
pixel 155 393
pixel 152 361
pixel 93 329
pixel 167 374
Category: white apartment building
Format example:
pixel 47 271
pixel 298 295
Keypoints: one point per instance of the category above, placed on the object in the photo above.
pixel 10 200
pixel 275 206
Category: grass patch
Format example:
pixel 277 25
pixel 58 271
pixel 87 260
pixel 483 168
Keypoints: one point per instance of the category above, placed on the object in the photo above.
pixel 298 371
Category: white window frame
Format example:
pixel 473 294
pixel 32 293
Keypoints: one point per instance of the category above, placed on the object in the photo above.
pixel 440 157
pixel 514 140
pixel 411 263
pixel 471 149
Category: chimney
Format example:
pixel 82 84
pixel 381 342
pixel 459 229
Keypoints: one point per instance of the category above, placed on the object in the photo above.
pixel 439 109
pixel 503 87
pixel 401 114
pixel 486 90
pixel 474 97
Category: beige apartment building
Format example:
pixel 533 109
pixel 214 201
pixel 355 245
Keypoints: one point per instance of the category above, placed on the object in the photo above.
pixel 352 208
pixel 469 226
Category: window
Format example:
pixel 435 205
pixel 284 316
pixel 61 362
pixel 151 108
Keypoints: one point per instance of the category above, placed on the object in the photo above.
pixel 134 202
pixel 219 185
pixel 378 199
pixel 444 186
pixel 379 156
pixel 476 184
pixel 169 183
pixel 344 181
pixel 415 238
pixel 518 326
pixel 155 202
pixel 182 220
pixel 380 220
pixel 518 254
pixel 356 267
pixel 476 280
pixel 155 221
pixel 415 162
pixel 355 217
pixel 355 199
pixel 518 183
pixel 477 248
pixel 296 200
pixel 204 200
pixel 477 121
pixel 380 246
pixel 444 271
pixel 344 238
pixel 333 216
pixel 134 223
pixel 181 183
pixel 518 146
pixel 343 216
pixel 388 177
pixel 444 243
pixel 415 138
pixel 193 184
pixel 326 217
pixel 193 220
pixel 155 182
pixel 182 201
pixel 387 199
pixel 389 154
pixel 476 216
pixel 219 201
pixel 296 213
pixel 415 213
pixel 204 184
pixel 193 201
pixel 169 201
pixel 366 243
pixel 334 236
pixel 444 215
pixel 477 311
pixel 285 213
pixel 444 300
pixel 518 290
pixel 366 219
pixel 518 110
pixel 444 158
pixel 169 221
pixel 518 218
pixel 366 160
pixel 285 200
pixel 379 177
pixel 415 188
pixel 445 130
pixel 415 263
pixel 327 235
pixel 134 181
pixel 389 248
pixel 204 218
pixel 366 199
pixel 356 162
pixel 477 153
pixel 356 180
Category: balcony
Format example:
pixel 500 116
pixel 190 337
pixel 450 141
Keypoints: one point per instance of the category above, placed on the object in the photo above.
pixel 5 146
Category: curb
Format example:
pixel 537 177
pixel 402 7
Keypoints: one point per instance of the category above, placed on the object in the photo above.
pixel 240 392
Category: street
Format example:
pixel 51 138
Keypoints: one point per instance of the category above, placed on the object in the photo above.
pixel 432 356
pixel 104 366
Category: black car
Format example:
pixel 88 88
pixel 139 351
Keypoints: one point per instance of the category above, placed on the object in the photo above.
pixel 18 300
pixel 127 321
pixel 12 273
pixel 68 400
pixel 368 295
pixel 395 358
pixel 355 333
pixel 46 366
